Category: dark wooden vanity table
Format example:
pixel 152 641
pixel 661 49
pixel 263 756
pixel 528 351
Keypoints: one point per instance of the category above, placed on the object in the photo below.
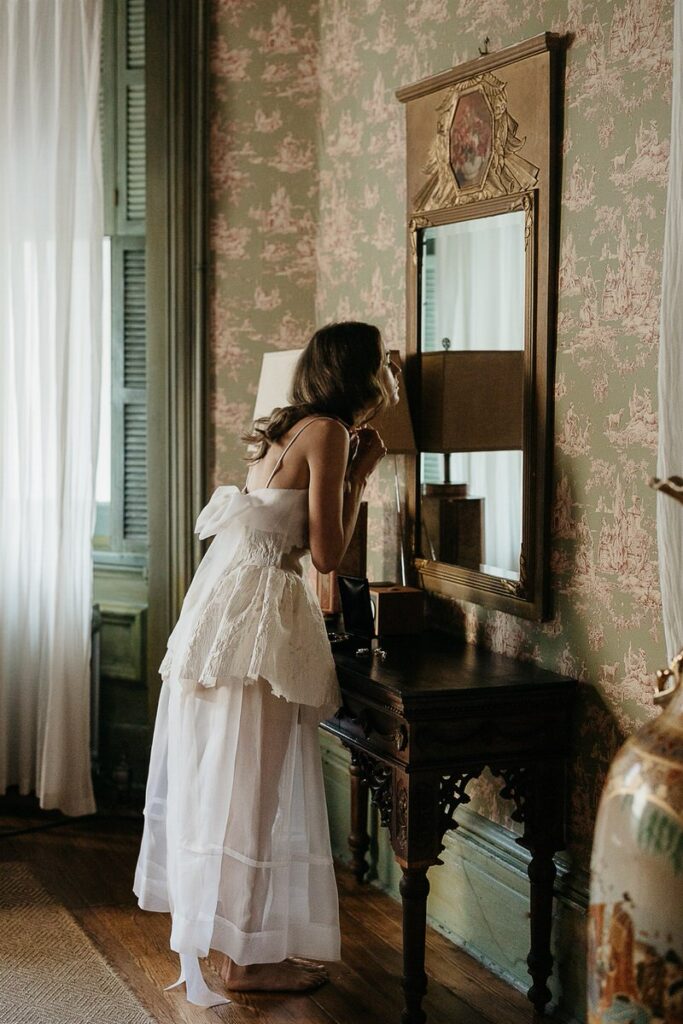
pixel 422 724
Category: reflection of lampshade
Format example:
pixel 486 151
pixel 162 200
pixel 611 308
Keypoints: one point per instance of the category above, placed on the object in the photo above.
pixel 277 371
pixel 472 401
pixel 394 425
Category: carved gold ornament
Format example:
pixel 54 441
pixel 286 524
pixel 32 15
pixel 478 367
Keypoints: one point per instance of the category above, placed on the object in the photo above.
pixel 475 154
pixel 415 225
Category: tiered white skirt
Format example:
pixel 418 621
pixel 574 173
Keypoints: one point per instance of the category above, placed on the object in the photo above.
pixel 236 841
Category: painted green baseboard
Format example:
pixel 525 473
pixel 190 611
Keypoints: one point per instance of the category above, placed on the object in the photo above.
pixel 124 728
pixel 124 641
pixel 479 897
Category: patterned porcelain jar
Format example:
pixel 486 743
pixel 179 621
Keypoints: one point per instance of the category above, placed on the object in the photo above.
pixel 635 941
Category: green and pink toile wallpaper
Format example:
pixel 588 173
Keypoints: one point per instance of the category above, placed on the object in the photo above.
pixel 308 225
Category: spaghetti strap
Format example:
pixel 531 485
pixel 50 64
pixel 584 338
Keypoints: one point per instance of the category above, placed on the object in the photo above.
pixel 291 442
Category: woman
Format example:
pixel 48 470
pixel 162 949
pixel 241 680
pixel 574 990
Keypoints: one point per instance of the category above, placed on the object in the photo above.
pixel 236 843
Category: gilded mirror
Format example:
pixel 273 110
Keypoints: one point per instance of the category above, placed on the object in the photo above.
pixel 482 226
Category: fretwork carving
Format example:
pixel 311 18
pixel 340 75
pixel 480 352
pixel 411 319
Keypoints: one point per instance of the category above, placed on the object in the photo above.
pixel 402 817
pixel 378 777
pixel 451 795
pixel 516 788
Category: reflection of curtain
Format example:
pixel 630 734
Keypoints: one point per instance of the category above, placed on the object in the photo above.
pixel 480 283
pixel 479 304
pixel 50 325
pixel 670 457
pixel 490 474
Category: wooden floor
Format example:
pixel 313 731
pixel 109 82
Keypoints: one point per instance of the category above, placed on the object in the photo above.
pixel 88 866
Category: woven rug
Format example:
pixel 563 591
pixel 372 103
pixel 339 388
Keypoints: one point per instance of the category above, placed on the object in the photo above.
pixel 50 972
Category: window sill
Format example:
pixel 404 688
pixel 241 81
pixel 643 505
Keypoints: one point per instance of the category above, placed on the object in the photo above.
pixel 120 561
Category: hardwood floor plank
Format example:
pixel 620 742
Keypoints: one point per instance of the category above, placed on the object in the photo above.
pixel 77 867
pixel 88 867
pixel 382 965
pixel 450 966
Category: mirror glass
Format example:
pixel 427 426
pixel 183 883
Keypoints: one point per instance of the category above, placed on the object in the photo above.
pixel 472 284
pixel 472 330
pixel 467 523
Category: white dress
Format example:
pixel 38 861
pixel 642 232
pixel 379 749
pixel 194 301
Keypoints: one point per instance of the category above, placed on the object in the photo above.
pixel 236 842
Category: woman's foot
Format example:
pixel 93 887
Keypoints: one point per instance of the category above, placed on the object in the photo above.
pixel 292 975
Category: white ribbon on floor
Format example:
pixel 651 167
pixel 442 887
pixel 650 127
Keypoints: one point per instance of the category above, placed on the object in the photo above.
pixel 196 989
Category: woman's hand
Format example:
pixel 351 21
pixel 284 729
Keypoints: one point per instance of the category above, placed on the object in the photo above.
pixel 367 450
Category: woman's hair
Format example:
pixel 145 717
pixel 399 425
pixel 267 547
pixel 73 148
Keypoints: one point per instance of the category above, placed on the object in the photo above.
pixel 339 373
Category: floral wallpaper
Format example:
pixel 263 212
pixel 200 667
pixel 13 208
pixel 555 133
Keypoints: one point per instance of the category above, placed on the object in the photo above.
pixel 308 225
pixel 263 161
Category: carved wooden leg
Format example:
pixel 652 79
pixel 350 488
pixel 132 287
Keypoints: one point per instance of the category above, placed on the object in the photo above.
pixel 541 877
pixel 414 888
pixel 359 840
pixel 422 809
pixel 539 793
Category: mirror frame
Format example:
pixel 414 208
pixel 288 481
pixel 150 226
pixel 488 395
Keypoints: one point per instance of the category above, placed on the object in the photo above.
pixel 532 74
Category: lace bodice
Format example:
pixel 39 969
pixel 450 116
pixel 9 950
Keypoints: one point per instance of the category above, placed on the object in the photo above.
pixel 250 612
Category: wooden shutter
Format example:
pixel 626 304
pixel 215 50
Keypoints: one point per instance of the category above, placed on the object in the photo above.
pixel 428 324
pixel 432 468
pixel 129 395
pixel 126 82
pixel 131 118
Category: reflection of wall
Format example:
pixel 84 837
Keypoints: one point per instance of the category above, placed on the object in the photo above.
pixel 268 160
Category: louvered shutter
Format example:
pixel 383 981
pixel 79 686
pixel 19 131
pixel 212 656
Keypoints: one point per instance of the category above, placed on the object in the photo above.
pixel 129 348
pixel 428 326
pixel 129 395
pixel 431 471
pixel 432 468
pixel 131 118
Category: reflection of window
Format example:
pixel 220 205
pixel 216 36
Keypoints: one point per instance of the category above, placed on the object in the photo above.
pixel 473 284
pixel 121 527
pixel 473 297
pixel 486 476
pixel 429 340
pixel 432 468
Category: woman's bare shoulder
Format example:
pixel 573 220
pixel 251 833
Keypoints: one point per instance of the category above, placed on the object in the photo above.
pixel 321 431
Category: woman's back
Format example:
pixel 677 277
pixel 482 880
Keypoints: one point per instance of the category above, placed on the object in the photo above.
pixel 279 468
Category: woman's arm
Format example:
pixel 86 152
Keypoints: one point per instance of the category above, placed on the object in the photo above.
pixel 336 487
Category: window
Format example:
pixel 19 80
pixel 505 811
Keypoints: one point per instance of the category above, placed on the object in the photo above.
pixel 121 528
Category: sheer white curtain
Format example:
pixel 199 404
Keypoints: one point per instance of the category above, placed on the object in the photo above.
pixel 480 283
pixel 50 339
pixel 670 457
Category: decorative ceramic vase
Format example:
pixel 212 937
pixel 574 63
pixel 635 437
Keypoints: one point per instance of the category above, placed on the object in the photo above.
pixel 635 941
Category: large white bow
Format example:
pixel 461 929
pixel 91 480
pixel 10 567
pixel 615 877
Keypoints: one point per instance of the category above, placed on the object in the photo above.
pixel 216 513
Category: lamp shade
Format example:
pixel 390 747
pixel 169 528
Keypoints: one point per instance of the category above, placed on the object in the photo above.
pixel 472 401
pixel 277 371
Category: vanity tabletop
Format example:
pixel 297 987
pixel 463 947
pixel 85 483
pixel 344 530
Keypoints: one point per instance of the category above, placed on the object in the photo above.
pixel 433 669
